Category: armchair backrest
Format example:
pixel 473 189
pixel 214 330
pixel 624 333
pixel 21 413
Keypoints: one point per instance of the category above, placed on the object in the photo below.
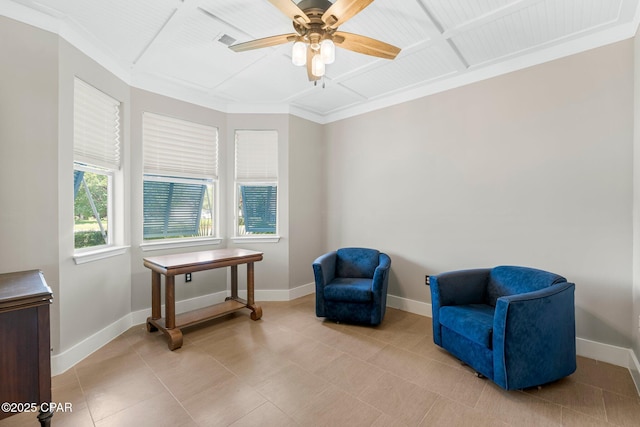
pixel 357 262
pixel 511 280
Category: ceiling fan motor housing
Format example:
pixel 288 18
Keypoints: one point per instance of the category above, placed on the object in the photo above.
pixel 315 31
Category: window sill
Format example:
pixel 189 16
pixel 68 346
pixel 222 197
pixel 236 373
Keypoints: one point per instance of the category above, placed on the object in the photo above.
pixel 256 239
pixel 98 254
pixel 180 243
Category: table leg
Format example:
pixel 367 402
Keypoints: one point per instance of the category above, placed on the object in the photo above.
pixel 169 302
pixel 234 282
pixel 174 334
pixel 256 310
pixel 155 300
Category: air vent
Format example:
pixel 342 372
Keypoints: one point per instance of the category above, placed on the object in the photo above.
pixel 226 40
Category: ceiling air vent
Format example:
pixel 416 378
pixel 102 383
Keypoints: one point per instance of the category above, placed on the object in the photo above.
pixel 226 40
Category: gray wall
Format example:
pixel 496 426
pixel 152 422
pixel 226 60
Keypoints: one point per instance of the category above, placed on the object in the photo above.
pixel 635 321
pixel 530 168
pixel 28 153
pixel 306 195
pixel 99 292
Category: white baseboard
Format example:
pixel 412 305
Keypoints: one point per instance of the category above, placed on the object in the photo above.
pixel 615 355
pixel 62 361
pixel 409 305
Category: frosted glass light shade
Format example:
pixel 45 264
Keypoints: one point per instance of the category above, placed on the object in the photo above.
pixel 317 66
pixel 328 51
pixel 299 54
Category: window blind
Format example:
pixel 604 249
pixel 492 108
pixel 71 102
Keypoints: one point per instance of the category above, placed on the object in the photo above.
pixel 178 148
pixel 96 127
pixel 256 155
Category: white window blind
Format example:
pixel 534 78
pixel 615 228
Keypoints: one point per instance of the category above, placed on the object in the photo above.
pixel 96 127
pixel 256 155
pixel 178 148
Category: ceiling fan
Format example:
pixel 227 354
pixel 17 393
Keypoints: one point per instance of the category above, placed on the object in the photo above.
pixel 316 34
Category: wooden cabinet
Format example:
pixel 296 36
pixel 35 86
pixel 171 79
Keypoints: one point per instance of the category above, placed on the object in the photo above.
pixel 25 363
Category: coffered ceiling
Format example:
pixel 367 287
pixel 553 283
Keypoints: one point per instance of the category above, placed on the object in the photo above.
pixel 173 47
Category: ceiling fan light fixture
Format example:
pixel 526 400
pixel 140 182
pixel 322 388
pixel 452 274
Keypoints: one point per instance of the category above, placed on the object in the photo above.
pixel 299 53
pixel 317 66
pixel 328 51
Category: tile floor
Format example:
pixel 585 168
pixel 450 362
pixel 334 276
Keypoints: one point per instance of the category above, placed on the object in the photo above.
pixel 293 369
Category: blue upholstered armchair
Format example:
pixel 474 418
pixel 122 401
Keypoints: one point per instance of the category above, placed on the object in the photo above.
pixel 351 285
pixel 514 325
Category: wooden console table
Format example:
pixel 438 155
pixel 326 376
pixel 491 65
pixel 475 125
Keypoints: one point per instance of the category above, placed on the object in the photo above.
pixel 173 265
pixel 25 362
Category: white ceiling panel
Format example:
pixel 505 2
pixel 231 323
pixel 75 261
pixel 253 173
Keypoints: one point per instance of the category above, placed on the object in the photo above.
pixel 418 67
pixel 400 23
pixel 172 45
pixel 453 13
pixel 193 53
pixel 124 27
pixel 534 26
pixel 271 79
pixel 256 19
pixel 326 99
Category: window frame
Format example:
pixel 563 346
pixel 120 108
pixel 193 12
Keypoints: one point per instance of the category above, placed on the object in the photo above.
pixel 255 181
pixel 86 98
pixel 155 172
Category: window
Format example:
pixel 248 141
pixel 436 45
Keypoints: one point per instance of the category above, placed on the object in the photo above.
pixel 256 174
pixel 180 178
pixel 96 154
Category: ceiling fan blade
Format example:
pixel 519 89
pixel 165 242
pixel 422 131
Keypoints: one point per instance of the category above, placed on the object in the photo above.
pixel 343 10
pixel 366 45
pixel 310 54
pixel 292 10
pixel 265 42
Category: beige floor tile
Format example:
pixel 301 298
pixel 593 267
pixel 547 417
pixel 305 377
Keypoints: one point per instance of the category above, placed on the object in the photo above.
pixel 518 408
pixel 266 415
pixel 335 408
pixel 159 411
pixel 574 395
pixel 223 404
pixel 350 374
pixel 189 378
pixel 621 410
pixel 448 413
pixel 313 356
pixel 257 365
pixel 452 382
pixel 112 369
pixel 572 418
pixel 385 420
pixel 66 378
pixel 228 348
pixel 69 393
pixel 292 388
pixel 609 377
pixel 399 398
pixel 112 397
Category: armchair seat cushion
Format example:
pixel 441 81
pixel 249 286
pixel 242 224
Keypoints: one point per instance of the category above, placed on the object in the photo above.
pixel 349 289
pixel 472 321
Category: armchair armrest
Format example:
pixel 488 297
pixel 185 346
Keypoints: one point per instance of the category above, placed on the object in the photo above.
pixel 324 268
pixel 534 336
pixel 381 275
pixel 324 271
